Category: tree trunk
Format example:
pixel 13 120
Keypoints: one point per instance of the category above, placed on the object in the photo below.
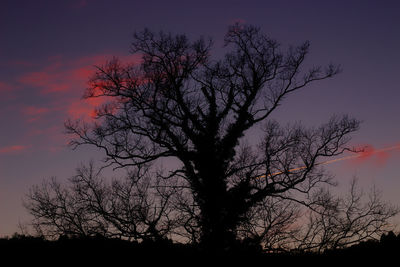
pixel 217 235
pixel 216 228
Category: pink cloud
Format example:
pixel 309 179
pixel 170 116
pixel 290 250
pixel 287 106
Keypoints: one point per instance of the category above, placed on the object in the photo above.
pixel 64 81
pixel 86 108
pixel 82 73
pixel 12 149
pixel 47 81
pixel 80 109
pixel 34 113
pixel 63 75
pixel 37 78
pixel 55 88
pixel 375 157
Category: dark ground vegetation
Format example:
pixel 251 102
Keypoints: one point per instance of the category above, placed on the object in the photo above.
pixel 22 248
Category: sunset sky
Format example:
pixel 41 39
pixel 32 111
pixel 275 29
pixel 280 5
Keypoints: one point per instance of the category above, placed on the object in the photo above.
pixel 48 50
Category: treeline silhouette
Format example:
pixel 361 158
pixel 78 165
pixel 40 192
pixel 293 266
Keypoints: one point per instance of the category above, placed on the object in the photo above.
pixel 388 245
pixel 100 249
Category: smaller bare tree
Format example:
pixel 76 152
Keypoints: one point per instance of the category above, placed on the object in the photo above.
pixel 134 208
pixel 320 221
pixel 335 222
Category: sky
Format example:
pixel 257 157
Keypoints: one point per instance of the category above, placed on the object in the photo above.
pixel 48 50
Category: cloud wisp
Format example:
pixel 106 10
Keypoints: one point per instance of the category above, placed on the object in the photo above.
pixel 12 149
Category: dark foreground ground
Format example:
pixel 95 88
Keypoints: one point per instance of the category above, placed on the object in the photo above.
pixel 23 250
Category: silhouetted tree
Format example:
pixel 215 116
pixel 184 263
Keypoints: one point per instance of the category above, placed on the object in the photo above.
pixel 335 222
pixel 136 207
pixel 182 104
pixel 319 221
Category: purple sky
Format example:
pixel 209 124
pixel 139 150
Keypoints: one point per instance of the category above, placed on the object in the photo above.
pixel 48 49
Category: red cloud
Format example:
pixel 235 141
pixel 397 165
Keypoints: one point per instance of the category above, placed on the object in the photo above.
pixel 58 85
pixel 80 109
pixel 12 149
pixel 377 157
pixel 67 75
pixel 63 76
pixel 34 113
pixel 367 152
pixel 64 81
pixel 86 108
pixel 48 81
pixel 36 78
pixel 82 73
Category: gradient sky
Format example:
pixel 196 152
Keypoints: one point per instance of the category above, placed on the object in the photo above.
pixel 48 49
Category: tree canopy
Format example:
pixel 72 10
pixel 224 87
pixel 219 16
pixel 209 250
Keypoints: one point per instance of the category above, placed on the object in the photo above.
pixel 182 103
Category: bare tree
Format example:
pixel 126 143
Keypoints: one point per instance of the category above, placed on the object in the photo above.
pixel 130 208
pixel 182 104
pixel 321 221
pixel 178 103
pixel 335 222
